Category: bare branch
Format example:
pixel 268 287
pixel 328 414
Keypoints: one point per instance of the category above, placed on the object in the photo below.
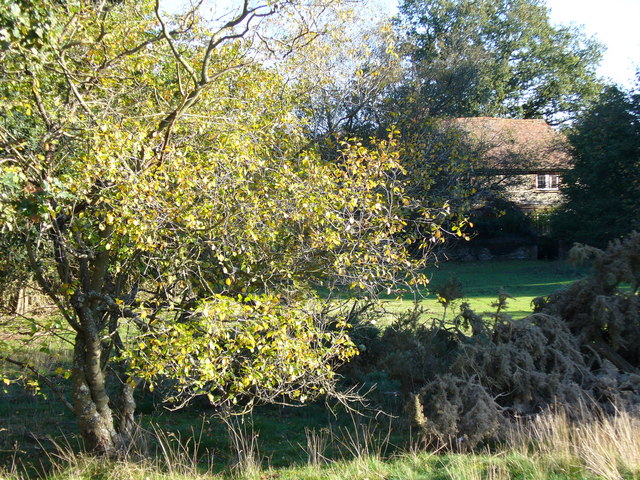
pixel 167 35
pixel 39 103
pixel 123 311
pixel 74 89
pixel 131 51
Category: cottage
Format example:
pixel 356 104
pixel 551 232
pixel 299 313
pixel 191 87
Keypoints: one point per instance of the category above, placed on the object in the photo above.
pixel 526 155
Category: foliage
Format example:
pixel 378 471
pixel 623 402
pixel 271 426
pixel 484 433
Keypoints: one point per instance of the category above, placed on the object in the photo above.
pixel 579 348
pixel 357 82
pixel 449 166
pixel 24 24
pixel 442 165
pixel 602 189
pixel 345 77
pixel 501 217
pixel 464 381
pixel 463 59
pixel 251 346
pixel 487 58
pixel 157 182
pixel 501 228
pixel 517 367
pixel 600 310
pixel 458 412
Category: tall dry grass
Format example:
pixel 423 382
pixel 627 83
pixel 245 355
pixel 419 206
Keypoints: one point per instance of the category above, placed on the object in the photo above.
pixel 317 442
pixel 606 445
pixel 243 441
pixel 587 444
pixel 153 455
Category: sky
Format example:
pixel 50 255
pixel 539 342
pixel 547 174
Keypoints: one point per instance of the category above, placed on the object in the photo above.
pixel 614 23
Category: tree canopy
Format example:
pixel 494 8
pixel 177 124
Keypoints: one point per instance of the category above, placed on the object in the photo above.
pixel 455 58
pixel 157 186
pixel 495 58
pixel 602 190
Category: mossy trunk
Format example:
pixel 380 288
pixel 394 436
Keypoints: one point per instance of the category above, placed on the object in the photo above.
pixel 105 426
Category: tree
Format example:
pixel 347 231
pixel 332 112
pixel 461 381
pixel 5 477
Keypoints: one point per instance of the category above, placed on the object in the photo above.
pixel 602 190
pixel 495 58
pixel 344 78
pixel 464 59
pixel 157 185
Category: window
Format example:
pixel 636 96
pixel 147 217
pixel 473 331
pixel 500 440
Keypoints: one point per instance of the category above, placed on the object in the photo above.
pixel 541 222
pixel 547 181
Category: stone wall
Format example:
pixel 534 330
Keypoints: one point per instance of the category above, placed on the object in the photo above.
pixel 521 189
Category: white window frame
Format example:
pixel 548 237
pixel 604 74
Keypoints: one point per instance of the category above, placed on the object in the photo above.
pixel 547 181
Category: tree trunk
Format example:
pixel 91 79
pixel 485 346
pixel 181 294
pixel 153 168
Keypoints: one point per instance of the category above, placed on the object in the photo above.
pixel 105 431
pixel 125 408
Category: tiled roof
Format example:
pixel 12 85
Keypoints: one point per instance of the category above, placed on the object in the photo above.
pixel 518 144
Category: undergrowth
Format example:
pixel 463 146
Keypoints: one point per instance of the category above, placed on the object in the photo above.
pixel 553 395
pixel 548 446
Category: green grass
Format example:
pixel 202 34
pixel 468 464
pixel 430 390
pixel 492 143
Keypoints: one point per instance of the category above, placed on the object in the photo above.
pixel 482 281
pixel 417 466
pixel 29 425
pixel 549 447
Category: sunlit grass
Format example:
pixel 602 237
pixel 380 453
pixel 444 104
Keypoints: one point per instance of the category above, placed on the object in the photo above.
pixel 27 423
pixel 482 282
pixel 546 447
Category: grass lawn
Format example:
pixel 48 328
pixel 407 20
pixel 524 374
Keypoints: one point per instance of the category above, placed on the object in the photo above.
pixel 30 424
pixel 293 444
pixel 481 283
